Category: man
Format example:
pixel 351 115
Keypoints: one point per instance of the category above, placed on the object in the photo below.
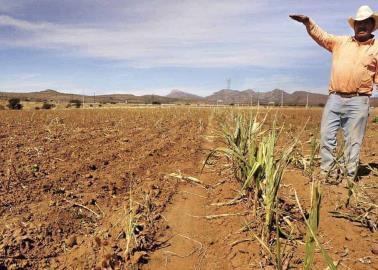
pixel 353 73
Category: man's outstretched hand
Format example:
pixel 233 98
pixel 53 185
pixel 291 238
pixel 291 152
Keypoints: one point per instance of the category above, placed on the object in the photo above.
pixel 300 18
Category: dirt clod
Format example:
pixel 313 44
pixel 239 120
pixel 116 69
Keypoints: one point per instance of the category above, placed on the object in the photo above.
pixel 71 241
pixel 138 257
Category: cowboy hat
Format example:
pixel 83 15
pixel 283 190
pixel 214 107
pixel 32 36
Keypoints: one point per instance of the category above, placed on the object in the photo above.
pixel 363 13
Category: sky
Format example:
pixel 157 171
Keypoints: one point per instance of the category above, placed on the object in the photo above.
pixel 151 47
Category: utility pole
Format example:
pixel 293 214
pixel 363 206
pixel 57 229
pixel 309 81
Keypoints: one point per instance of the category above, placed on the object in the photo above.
pixel 94 97
pixel 307 101
pixel 258 99
pixel 281 98
pixel 83 101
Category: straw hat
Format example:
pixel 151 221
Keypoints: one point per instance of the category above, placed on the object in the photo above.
pixel 363 13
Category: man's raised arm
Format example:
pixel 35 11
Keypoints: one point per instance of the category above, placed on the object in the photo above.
pixel 321 37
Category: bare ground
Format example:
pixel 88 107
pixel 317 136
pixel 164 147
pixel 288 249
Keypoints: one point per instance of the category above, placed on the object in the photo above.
pixel 67 178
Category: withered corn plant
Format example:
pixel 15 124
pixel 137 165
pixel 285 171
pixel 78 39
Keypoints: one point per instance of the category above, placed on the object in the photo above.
pixel 274 165
pixel 312 225
pixel 257 163
pixel 307 163
pixel 241 140
pixel 131 224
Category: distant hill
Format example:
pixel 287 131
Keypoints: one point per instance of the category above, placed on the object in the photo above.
pixel 55 96
pixel 45 95
pixel 275 96
pixel 224 96
pixel 227 96
pixel 183 95
pixel 314 99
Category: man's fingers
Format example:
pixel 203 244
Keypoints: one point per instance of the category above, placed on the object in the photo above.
pixel 299 18
pixel 296 17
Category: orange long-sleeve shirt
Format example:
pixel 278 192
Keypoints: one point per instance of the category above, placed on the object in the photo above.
pixel 354 64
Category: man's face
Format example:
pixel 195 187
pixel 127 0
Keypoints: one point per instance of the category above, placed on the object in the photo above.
pixel 363 29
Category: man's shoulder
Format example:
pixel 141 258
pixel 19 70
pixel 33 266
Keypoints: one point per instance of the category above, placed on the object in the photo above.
pixel 343 39
pixel 347 38
pixel 374 47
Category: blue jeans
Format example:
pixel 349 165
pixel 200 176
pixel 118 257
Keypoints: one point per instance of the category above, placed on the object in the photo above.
pixel 351 115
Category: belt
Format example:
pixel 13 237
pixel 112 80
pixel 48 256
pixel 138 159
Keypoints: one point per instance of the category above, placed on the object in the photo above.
pixel 349 95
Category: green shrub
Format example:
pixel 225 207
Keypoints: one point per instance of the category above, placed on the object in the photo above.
pixel 14 104
pixel 47 106
pixel 76 103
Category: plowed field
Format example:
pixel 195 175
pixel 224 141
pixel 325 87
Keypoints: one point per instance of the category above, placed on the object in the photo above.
pixel 118 189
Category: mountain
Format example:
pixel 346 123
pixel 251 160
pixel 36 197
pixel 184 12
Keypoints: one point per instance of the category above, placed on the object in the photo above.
pixel 55 96
pixel 275 96
pixel 248 96
pixel 314 99
pixel 227 96
pixel 183 95
pixel 45 95
pixel 224 96
pixel 278 96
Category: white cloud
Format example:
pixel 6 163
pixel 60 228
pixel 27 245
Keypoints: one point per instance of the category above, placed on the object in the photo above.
pixel 8 5
pixel 181 33
pixel 168 33
pixel 29 82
